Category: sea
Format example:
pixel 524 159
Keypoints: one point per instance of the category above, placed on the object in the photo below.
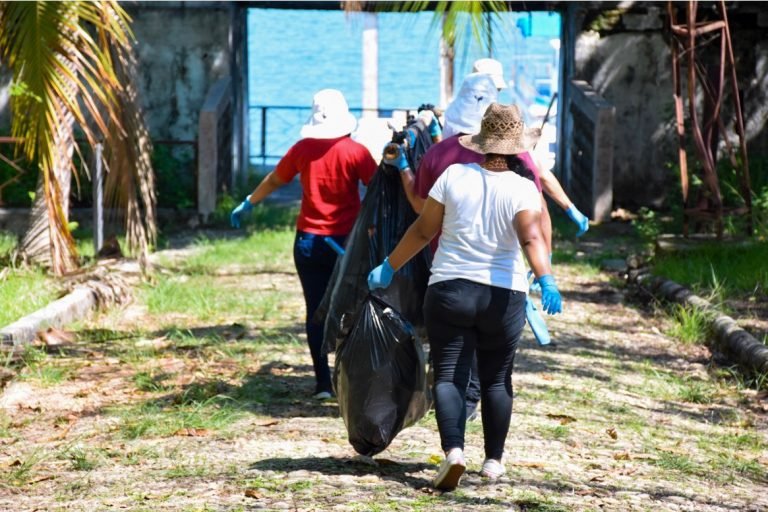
pixel 294 53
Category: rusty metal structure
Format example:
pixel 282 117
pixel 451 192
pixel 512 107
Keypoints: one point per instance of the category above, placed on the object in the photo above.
pixel 690 41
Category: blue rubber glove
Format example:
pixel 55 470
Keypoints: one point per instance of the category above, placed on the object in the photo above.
pixel 381 276
pixel 244 207
pixel 399 161
pixel 538 325
pixel 535 286
pixel 579 218
pixel 550 295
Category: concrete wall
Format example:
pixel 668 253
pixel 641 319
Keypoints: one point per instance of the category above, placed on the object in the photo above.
pixel 623 53
pixel 183 49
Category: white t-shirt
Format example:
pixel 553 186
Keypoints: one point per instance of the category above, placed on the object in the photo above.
pixel 479 242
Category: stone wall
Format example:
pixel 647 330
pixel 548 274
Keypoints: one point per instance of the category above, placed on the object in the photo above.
pixel 183 49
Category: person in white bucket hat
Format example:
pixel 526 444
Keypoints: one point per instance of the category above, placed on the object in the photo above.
pixel 330 166
pixel 492 68
pixel 330 116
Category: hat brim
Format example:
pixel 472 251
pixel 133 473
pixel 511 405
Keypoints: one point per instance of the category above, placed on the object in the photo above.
pixel 480 144
pixel 498 81
pixel 330 129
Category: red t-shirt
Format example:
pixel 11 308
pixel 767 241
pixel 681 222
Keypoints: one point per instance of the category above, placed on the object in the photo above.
pixel 330 171
pixel 448 152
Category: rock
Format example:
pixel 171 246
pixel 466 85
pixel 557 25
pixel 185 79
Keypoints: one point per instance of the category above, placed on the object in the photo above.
pixel 613 265
pixel 16 395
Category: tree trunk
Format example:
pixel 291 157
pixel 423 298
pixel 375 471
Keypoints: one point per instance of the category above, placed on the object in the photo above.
pixel 37 245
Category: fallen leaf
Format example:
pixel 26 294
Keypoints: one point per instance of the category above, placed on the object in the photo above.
pixel 268 423
pixel 192 432
pixel 435 459
pixel 612 432
pixel 585 492
pixel 427 490
pixel 253 493
pixel 547 376
pixel 621 456
pixel 53 337
pixel 15 463
pixel 598 478
pixel 563 418
pixel 524 464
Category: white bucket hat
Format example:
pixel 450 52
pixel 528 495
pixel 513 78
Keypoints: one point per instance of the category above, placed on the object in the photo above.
pixel 465 112
pixel 493 68
pixel 330 116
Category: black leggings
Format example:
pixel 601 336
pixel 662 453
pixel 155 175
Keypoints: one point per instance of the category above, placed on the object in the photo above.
pixel 314 261
pixel 463 317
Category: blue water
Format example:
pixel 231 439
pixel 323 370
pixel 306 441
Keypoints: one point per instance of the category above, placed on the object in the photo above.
pixel 294 53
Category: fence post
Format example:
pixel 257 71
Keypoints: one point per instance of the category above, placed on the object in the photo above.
pixel 263 136
pixel 98 199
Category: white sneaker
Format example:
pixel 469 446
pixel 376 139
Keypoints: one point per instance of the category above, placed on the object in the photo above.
pixel 449 474
pixel 492 469
pixel 322 395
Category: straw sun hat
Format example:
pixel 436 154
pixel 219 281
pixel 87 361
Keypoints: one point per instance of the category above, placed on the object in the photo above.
pixel 330 116
pixel 502 132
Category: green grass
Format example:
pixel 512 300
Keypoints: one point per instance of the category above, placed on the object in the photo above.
pixel 690 325
pixel 195 297
pixel 678 462
pixel 37 366
pixel 7 244
pixel 259 250
pixel 157 419
pixel 23 292
pixel 737 269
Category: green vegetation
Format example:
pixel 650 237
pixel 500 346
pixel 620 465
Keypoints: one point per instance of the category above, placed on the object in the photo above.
pixel 259 251
pixel 736 269
pixel 7 244
pixel 193 296
pixel 166 419
pixel 690 325
pixel 22 292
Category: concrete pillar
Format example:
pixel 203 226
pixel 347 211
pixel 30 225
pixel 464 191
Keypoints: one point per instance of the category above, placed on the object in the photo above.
pixel 370 64
pixel 446 73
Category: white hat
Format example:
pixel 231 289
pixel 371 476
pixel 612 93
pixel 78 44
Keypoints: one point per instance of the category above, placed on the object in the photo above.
pixel 493 68
pixel 330 116
pixel 465 112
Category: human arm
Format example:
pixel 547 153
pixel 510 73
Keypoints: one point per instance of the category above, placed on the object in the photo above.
pixel 553 189
pixel 528 227
pixel 419 234
pixel 408 180
pixel 394 155
pixel 269 184
pixel 546 224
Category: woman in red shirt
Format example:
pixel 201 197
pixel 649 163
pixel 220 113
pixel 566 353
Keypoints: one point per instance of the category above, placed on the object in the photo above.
pixel 330 166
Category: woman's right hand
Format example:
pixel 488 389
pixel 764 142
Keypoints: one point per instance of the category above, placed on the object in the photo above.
pixel 244 207
pixel 381 276
pixel 394 155
pixel 550 295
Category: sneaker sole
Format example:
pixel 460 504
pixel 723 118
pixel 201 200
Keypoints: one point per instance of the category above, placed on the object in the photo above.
pixel 450 480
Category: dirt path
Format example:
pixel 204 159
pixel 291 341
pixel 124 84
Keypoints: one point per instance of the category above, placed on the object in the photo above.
pixel 151 411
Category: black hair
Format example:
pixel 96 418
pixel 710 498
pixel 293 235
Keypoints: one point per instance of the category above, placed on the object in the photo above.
pixel 516 165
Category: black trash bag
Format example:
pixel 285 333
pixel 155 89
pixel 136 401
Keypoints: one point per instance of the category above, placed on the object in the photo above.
pixel 384 217
pixel 380 377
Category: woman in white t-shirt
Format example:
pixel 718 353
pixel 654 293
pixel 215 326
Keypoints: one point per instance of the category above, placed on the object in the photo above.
pixel 489 216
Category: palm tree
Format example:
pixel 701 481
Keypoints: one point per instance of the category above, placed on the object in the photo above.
pixel 72 65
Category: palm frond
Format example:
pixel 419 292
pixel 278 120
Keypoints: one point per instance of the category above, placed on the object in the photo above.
pixel 130 183
pixel 68 79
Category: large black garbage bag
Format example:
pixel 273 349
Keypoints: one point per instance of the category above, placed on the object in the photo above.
pixel 384 217
pixel 380 377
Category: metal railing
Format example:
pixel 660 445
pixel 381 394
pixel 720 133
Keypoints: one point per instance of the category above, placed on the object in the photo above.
pixel 273 129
